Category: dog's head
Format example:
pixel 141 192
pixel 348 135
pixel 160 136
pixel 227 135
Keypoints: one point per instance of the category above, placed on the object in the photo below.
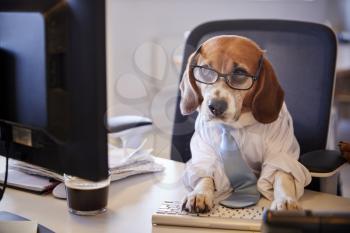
pixel 228 79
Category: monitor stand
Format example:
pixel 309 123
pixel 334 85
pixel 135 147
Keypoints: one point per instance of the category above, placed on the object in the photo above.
pixel 7 216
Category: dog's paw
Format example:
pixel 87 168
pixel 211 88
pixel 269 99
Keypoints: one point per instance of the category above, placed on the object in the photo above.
pixel 198 202
pixel 285 204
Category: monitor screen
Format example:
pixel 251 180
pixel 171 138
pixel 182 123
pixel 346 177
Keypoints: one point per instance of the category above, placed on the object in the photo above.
pixel 53 84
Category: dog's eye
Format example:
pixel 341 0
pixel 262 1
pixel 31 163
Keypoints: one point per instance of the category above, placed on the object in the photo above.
pixel 239 71
pixel 239 78
pixel 239 81
pixel 205 75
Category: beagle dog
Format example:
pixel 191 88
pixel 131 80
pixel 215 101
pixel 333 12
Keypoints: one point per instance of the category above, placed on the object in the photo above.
pixel 228 80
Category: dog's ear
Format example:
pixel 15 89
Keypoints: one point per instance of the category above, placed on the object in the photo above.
pixel 191 96
pixel 269 95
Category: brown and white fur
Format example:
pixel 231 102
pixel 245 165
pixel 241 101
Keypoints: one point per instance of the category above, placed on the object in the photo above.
pixel 261 104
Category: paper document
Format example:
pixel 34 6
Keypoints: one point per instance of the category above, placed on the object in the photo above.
pixel 23 180
pixel 122 163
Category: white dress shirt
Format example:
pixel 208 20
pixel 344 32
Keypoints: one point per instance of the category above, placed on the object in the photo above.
pixel 265 147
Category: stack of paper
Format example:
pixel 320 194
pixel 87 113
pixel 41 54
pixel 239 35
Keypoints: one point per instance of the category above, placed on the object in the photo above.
pixel 33 169
pixel 122 163
pixel 25 181
pixel 128 162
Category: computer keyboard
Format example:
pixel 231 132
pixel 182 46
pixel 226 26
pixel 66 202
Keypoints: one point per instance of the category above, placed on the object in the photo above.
pixel 174 207
pixel 171 213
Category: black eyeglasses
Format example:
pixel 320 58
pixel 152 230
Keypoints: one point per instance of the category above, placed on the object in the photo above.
pixel 239 79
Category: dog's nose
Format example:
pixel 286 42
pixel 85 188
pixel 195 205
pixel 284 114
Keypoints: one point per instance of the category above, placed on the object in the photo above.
pixel 217 107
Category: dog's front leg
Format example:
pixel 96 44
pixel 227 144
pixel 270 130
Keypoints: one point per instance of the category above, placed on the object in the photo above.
pixel 201 199
pixel 284 193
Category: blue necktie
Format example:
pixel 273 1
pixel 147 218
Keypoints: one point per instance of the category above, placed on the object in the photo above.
pixel 241 177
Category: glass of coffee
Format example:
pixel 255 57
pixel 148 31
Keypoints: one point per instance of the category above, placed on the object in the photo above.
pixel 85 197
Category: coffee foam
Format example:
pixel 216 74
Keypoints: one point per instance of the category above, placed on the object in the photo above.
pixel 82 184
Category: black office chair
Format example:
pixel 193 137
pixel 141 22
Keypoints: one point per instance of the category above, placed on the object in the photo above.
pixel 303 56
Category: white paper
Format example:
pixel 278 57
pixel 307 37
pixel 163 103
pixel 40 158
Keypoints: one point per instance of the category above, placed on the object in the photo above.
pixel 122 163
pixel 21 179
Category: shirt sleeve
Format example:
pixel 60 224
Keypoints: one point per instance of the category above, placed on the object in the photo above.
pixel 205 162
pixel 281 153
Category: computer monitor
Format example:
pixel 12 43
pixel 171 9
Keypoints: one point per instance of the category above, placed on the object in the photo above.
pixel 53 84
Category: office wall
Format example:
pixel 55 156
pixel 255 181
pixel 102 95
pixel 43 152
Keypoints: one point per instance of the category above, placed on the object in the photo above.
pixel 144 46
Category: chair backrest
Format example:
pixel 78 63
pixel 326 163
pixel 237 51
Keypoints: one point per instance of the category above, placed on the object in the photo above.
pixel 303 56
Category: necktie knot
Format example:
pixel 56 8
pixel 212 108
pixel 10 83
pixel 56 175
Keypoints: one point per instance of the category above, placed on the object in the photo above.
pixel 228 143
pixel 225 129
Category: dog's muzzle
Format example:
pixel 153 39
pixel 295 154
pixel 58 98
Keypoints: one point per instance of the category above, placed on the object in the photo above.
pixel 217 106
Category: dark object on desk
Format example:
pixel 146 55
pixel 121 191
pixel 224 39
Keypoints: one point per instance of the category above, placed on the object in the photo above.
pixel 94 200
pixel 86 197
pixel 6 216
pixel 345 150
pixel 55 100
pixel 305 222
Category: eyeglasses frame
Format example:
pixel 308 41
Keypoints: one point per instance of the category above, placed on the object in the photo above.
pixel 254 77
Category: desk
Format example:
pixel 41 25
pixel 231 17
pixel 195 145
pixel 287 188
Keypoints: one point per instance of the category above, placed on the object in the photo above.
pixel 131 204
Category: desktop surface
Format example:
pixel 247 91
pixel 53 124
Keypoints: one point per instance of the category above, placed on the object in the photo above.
pixel 131 203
